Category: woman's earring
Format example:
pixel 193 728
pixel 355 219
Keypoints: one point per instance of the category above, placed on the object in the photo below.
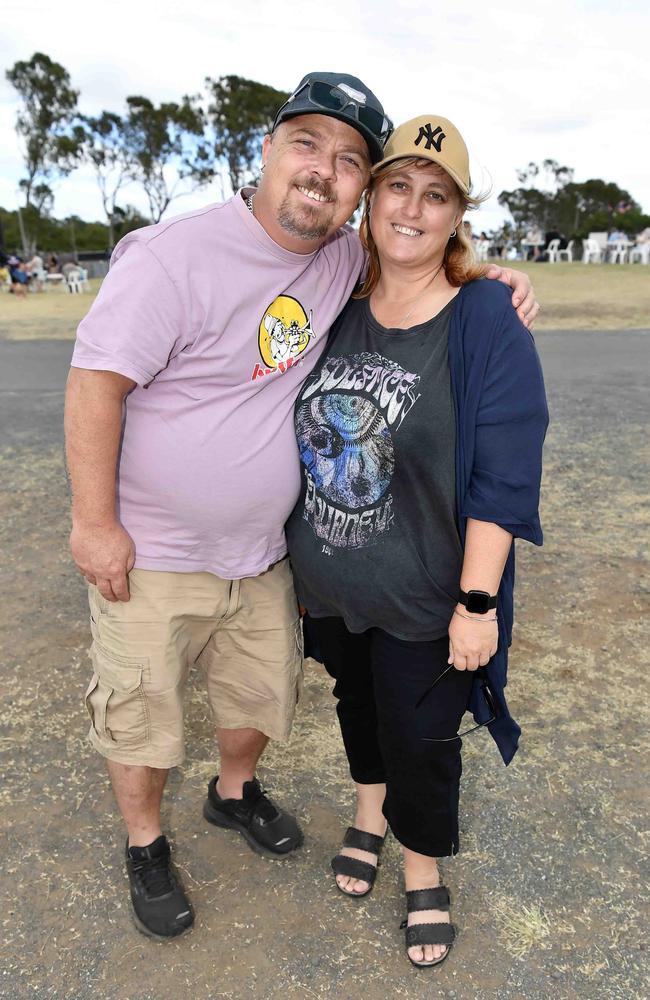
pixel 262 168
pixel 452 235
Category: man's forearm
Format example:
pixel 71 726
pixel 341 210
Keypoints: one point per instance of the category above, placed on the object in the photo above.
pixel 93 426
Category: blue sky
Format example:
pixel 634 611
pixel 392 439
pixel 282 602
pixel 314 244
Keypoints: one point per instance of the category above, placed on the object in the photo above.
pixel 566 80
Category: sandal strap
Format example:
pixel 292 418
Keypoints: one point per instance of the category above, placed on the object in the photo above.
pixel 363 841
pixel 430 934
pixel 342 865
pixel 428 899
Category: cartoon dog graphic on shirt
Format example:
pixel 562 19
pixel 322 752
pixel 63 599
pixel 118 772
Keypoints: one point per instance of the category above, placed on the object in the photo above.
pixel 287 341
pixel 285 331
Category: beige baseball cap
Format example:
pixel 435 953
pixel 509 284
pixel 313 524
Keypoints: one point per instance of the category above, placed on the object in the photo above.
pixel 430 137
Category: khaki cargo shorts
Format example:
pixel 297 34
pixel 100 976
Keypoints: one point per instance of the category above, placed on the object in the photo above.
pixel 245 635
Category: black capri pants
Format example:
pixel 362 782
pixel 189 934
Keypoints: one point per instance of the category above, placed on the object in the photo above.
pixel 379 680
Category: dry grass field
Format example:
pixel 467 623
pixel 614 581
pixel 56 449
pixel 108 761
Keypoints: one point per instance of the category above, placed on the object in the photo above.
pixel 573 297
pixel 548 889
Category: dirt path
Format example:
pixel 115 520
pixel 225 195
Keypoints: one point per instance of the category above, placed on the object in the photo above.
pixel 548 888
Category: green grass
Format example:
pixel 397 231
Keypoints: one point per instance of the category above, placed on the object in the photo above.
pixel 572 296
pixel 590 297
pixel 51 315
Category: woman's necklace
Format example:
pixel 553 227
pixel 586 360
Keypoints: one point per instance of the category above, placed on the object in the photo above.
pixel 418 298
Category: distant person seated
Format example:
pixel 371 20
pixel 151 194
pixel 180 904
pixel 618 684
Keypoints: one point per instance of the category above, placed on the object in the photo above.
pixel 36 272
pixel 553 234
pixel 532 243
pixel 52 264
pixel 616 236
pixel 643 237
pixel 19 276
pixel 5 277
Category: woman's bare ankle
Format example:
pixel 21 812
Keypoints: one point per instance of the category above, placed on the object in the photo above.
pixel 369 815
pixel 420 871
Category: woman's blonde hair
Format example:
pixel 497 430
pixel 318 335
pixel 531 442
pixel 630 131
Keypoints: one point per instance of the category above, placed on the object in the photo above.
pixel 459 261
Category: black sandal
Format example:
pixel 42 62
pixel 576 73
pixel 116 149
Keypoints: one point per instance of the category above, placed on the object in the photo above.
pixel 353 867
pixel 431 933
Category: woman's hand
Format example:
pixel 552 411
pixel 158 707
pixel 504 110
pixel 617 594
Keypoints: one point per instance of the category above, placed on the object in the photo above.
pixel 472 639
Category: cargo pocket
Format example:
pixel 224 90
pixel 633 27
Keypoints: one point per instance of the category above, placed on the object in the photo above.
pixel 116 701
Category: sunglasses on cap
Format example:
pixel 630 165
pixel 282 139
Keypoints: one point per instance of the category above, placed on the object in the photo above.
pixel 329 97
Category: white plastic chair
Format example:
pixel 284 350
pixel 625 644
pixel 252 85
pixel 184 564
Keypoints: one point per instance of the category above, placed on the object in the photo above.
pixel 553 250
pixel 601 240
pixel 39 279
pixel 568 251
pixel 617 252
pixel 75 281
pixel 642 251
pixel 54 279
pixel 591 251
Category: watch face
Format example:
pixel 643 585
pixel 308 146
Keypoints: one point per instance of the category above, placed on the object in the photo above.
pixel 478 602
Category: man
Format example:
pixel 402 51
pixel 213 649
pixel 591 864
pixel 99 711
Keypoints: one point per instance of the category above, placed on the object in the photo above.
pixel 183 465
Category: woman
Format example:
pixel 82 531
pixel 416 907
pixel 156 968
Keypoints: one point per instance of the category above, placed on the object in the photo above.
pixel 420 435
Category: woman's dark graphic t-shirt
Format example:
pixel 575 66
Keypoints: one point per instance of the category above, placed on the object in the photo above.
pixel 374 538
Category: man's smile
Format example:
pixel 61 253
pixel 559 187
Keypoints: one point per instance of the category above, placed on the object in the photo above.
pixel 313 195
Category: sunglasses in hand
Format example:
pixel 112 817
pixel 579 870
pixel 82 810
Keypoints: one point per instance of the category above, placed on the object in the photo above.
pixel 487 694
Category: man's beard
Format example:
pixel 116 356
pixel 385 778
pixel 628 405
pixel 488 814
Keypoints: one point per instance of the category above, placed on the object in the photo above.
pixel 302 222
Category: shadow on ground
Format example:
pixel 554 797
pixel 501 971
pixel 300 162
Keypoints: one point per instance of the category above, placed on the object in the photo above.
pixel 548 887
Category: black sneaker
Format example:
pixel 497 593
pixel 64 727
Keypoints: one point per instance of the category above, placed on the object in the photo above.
pixel 266 827
pixel 160 907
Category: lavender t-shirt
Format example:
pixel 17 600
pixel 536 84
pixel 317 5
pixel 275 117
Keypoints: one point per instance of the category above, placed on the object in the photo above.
pixel 219 326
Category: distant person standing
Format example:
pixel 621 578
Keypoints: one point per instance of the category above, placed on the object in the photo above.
pixel 532 243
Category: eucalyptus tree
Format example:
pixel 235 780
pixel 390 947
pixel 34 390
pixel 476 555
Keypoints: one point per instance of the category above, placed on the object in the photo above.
pixel 46 122
pixel 104 146
pixel 240 112
pixel 165 149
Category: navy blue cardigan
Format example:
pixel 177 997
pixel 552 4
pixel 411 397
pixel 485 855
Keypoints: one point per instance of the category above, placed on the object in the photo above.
pixel 501 421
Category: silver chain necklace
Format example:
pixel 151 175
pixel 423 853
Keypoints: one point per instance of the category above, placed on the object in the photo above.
pixel 419 297
pixel 249 203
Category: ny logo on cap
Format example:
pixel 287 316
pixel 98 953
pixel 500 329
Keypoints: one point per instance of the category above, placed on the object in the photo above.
pixel 431 137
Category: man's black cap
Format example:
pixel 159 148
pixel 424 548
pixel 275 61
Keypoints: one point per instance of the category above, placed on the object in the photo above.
pixel 344 97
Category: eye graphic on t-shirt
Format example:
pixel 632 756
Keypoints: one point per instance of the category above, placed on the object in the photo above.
pixel 347 448
pixel 284 332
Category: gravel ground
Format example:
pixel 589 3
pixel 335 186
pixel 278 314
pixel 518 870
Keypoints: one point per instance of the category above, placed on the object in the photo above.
pixel 549 888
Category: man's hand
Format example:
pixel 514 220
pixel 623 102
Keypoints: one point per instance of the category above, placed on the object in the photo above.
pixel 105 555
pixel 472 641
pixel 523 295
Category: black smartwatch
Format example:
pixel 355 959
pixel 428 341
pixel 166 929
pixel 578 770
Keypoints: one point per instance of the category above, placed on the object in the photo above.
pixel 477 602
